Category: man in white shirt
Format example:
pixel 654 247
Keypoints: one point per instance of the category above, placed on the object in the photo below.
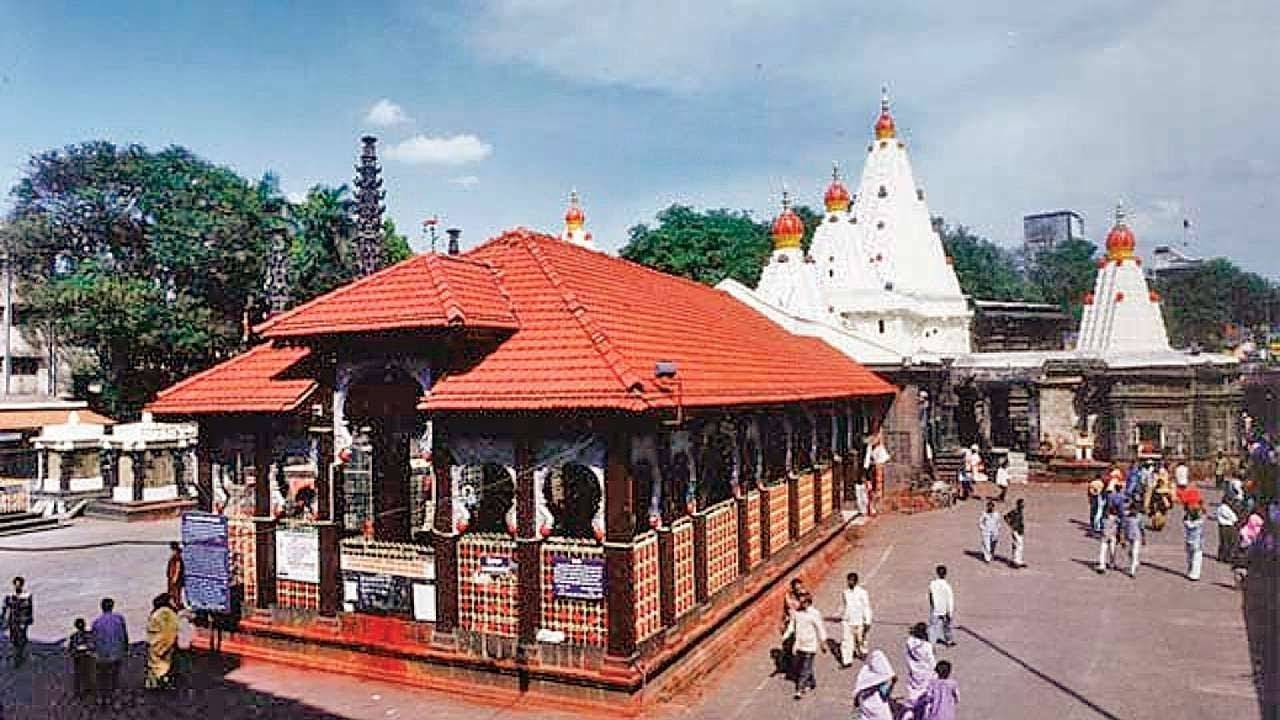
pixel 942 605
pixel 809 632
pixel 1228 534
pixel 855 620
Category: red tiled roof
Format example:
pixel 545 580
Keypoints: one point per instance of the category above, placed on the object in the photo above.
pixel 592 328
pixel 424 291
pixel 253 381
pixel 27 419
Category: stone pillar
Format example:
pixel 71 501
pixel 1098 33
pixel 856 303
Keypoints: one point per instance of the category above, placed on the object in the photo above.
pixel 619 549
pixel 180 471
pixel 264 525
pixel 138 459
pixel 64 472
pixel 528 549
pixel 326 528
pixel 444 538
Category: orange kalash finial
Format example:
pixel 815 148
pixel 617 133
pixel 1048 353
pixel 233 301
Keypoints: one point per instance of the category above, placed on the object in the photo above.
pixel 1121 244
pixel 837 198
pixel 574 218
pixel 885 128
pixel 788 228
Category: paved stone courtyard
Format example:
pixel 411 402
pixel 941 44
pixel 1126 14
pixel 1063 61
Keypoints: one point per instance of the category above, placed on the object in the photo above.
pixel 1054 639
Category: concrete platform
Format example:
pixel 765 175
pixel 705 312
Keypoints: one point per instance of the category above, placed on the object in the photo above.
pixel 107 509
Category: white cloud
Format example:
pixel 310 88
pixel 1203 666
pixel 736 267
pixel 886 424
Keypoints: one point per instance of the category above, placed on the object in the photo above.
pixel 466 181
pixel 295 197
pixel 452 150
pixel 385 113
pixel 1008 107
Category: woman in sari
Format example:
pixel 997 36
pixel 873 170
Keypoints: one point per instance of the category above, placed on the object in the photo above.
pixel 873 687
pixel 162 641
pixel 920 661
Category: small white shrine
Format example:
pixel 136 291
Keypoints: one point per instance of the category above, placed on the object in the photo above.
pixel 153 461
pixel 69 457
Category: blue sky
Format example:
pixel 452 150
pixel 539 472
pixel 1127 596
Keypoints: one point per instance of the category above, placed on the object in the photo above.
pixel 1009 107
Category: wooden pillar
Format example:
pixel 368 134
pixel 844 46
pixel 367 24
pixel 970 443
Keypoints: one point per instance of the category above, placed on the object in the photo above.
pixel 817 493
pixel 619 548
pixel 204 473
pixel 700 588
pixel 766 522
pixel 793 506
pixel 667 574
pixel 326 528
pixel 264 524
pixel 744 534
pixel 528 547
pixel 444 538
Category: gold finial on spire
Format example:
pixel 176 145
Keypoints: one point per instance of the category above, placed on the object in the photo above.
pixel 837 197
pixel 884 124
pixel 1121 243
pixel 574 218
pixel 788 228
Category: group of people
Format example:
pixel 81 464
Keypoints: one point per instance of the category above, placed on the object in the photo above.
pixel 99 649
pixel 931 693
pixel 1123 506
pixel 989 523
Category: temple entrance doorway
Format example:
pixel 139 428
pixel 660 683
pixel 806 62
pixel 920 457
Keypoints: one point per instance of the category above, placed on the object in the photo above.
pixel 383 407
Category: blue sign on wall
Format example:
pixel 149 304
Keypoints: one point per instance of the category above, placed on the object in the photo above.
pixel 206 560
pixel 576 578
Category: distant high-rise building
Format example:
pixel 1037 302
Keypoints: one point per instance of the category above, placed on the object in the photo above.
pixel 1044 231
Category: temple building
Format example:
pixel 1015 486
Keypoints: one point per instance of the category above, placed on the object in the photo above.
pixel 877 285
pixel 529 465
pixel 1121 394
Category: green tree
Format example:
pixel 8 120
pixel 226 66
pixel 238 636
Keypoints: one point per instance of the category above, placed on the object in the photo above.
pixel 707 246
pixel 147 260
pixel 986 271
pixel 322 252
pixel 1200 303
pixel 1063 274
pixel 710 245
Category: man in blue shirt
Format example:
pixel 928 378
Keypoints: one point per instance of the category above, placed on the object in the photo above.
pixel 111 642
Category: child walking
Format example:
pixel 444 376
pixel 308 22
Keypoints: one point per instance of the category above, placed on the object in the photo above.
pixel 83 661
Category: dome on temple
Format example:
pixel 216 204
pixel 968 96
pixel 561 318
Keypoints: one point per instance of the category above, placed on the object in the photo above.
pixel 885 128
pixel 1120 241
pixel 837 197
pixel 788 228
pixel 574 218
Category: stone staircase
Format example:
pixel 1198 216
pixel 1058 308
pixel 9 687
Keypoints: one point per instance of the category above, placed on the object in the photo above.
pixel 1019 469
pixel 947 465
pixel 26 522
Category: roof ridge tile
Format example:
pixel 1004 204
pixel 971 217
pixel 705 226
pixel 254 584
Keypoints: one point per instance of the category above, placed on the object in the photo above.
pixel 613 358
pixel 452 309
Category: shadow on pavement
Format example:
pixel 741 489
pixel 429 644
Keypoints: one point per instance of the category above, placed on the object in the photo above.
pixel 43 688
pixel 1031 669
